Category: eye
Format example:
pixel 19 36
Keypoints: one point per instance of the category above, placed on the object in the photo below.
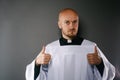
pixel 67 22
pixel 75 21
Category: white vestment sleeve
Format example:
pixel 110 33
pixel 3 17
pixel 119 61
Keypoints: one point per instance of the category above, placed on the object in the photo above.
pixel 29 75
pixel 109 69
pixel 30 72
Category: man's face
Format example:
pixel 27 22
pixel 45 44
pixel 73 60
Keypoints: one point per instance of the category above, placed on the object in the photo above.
pixel 68 23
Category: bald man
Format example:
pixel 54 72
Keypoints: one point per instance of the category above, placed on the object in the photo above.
pixel 71 57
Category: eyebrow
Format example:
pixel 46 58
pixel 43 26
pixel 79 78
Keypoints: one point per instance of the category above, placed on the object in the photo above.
pixel 72 20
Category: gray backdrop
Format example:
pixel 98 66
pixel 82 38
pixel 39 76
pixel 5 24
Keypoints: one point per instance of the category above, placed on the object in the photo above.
pixel 27 25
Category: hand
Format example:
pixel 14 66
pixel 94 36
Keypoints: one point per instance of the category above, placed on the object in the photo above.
pixel 42 58
pixel 93 58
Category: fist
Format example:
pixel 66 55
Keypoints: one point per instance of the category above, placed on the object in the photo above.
pixel 93 58
pixel 42 58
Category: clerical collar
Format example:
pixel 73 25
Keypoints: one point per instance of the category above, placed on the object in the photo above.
pixel 69 41
pixel 75 41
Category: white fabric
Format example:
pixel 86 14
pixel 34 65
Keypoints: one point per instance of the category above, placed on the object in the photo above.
pixel 70 63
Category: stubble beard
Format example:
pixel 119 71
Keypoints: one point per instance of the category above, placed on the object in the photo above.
pixel 70 34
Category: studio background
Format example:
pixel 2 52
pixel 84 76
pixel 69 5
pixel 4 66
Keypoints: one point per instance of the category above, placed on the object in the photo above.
pixel 27 25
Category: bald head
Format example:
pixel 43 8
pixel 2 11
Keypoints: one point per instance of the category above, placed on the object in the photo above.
pixel 67 11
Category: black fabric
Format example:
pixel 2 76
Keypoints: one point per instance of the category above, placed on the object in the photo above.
pixel 100 67
pixel 36 71
pixel 75 41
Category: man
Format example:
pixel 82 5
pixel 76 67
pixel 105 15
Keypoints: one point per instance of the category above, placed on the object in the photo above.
pixel 70 57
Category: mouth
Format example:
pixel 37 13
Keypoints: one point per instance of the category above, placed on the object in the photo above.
pixel 72 31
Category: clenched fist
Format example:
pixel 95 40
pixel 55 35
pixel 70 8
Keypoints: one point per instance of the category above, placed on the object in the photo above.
pixel 42 58
pixel 94 58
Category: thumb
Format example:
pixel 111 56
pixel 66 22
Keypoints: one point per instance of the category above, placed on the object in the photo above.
pixel 43 50
pixel 95 50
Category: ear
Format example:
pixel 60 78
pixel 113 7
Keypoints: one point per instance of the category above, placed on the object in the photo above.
pixel 59 24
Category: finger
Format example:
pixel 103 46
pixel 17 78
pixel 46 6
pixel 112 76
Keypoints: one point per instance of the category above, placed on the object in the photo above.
pixel 95 50
pixel 90 55
pixel 43 50
pixel 47 55
pixel 47 59
pixel 45 62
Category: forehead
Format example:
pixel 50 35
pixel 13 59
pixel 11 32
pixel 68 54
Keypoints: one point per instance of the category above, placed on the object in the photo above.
pixel 68 15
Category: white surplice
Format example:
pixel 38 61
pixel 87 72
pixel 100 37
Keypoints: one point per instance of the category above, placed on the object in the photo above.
pixel 70 62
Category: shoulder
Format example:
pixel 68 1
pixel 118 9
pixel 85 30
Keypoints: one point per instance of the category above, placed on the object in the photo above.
pixel 50 47
pixel 88 42
pixel 54 43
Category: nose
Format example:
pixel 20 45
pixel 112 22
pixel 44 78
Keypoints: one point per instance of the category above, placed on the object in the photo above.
pixel 71 25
